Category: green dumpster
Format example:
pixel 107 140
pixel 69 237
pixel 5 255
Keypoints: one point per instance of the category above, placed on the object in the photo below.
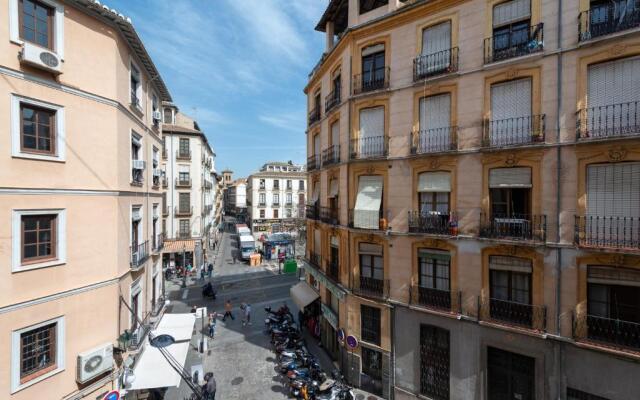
pixel 290 266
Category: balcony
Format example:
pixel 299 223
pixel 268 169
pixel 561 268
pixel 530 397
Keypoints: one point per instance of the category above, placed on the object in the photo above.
pixel 313 162
pixel 606 19
pixel 435 140
pixel 183 182
pixel 514 227
pixel 333 270
pixel 139 254
pixel 608 122
pixel 370 287
pixel 183 234
pixel 610 332
pixel 430 65
pixel 330 215
pixel 376 80
pixel 513 313
pixel 183 155
pixel 516 43
pixel 519 131
pixel 183 211
pixel 275 204
pixel 158 242
pixel 433 223
pixel 622 233
pixel 331 100
pixel 314 114
pixel 369 147
pixel 312 211
pixel 262 204
pixel 367 219
pixel 315 259
pixel 331 155
pixel 442 300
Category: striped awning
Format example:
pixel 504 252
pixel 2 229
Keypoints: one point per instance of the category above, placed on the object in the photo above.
pixel 177 246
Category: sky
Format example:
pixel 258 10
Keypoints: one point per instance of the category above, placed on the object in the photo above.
pixel 238 67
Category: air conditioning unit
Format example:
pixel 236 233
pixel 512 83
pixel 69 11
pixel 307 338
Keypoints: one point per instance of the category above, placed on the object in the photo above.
pixel 138 164
pixel 94 362
pixel 40 57
pixel 157 172
pixel 157 116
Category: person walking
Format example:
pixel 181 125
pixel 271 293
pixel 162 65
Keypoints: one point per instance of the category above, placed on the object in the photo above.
pixel 210 270
pixel 212 324
pixel 247 314
pixel 210 388
pixel 202 272
pixel 227 311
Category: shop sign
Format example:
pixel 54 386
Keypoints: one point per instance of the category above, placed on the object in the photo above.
pixel 320 277
pixel 329 315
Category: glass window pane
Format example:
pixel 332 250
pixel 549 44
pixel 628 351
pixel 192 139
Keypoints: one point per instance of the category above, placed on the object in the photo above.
pixel 29 251
pixel 43 40
pixel 29 142
pixel 44 222
pixel 41 27
pixel 29 23
pixel 30 237
pixel 44 144
pixel 29 223
pixel 29 7
pixel 44 249
pixel 41 12
pixel 44 236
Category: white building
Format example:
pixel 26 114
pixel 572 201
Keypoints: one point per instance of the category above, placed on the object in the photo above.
pixel 237 197
pixel 189 198
pixel 276 195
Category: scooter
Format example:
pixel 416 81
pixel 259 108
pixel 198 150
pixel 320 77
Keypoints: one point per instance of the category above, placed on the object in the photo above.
pixel 208 291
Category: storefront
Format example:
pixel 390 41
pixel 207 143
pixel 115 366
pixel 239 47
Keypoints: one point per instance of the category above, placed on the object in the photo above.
pixel 180 253
pixel 308 302
pixel 329 332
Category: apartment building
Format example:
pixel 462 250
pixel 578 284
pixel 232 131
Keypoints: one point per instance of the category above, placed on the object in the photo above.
pixel 276 196
pixel 80 243
pixel 236 198
pixel 478 170
pixel 189 198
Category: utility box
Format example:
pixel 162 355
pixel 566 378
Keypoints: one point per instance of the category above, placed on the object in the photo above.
pixel 290 266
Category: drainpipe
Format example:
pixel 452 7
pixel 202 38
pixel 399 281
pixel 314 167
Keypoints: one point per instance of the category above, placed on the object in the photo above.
pixel 558 353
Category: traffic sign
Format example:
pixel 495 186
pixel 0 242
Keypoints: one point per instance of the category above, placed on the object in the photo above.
pixel 352 341
pixel 113 395
pixel 341 335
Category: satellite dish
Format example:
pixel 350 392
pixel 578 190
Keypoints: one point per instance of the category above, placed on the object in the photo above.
pixel 162 341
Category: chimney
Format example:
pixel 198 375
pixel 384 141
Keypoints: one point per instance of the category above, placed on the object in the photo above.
pixel 330 35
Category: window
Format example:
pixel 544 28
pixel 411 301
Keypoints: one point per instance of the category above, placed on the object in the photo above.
pixel 275 214
pixel 334 258
pixel 183 176
pixel 371 379
pixel 436 50
pixel 510 375
pixel 38 352
pixel 276 184
pixel 370 324
pixel 288 213
pixel 368 207
pixel 289 199
pixel 184 202
pixel 136 86
pixel 575 394
pixel 511 21
pixel 337 86
pixel 434 190
pixel 262 214
pixel 371 269
pixel 434 278
pixel 511 116
pixel 37 129
pixel 262 184
pixel 168 116
pixel 371 141
pixel 36 23
pixel 38 238
pixel 368 5
pixel 154 107
pixel 276 199
pixel 510 290
pixel 262 199
pixel 373 68
pixel 137 164
pixel 613 190
pixel 434 362
pixel 185 226
pixel 183 149
pixel 289 184
pixel 435 124
pixel 510 193
pixel 301 185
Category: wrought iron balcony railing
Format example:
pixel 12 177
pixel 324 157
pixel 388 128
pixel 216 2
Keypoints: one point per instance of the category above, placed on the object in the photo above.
pixel 513 313
pixel 376 80
pixel 370 287
pixel 434 140
pixel 139 254
pixel 312 211
pixel 183 182
pixel 611 121
pixel 611 332
pixel 330 215
pixel 605 19
pixel 331 100
pixel 607 232
pixel 517 131
pixel 183 211
pixel 443 300
pixel 314 114
pixel 369 147
pixel 183 154
pixel 429 65
pixel 313 162
pixel 515 43
pixel 315 259
pixel 514 227
pixel 331 155
pixel 368 219
pixel 433 223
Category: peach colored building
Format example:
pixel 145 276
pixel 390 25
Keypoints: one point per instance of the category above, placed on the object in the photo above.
pixel 80 243
pixel 477 227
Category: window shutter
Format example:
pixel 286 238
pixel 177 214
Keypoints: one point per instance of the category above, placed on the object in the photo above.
pixel 335 133
pixel 510 177
pixel 511 99
pixel 613 190
pixel 368 201
pixel 434 182
pixel 316 146
pixel 436 38
pixel 504 263
pixel 136 215
pixel 372 49
pixel 435 112
pixel 514 10
pixel 370 248
pixel 371 122
pixel 333 188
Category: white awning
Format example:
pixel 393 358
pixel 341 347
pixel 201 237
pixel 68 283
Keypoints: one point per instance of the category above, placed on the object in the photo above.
pixel 180 326
pixel 333 188
pixel 316 191
pixel 368 201
pixel 434 182
pixel 302 294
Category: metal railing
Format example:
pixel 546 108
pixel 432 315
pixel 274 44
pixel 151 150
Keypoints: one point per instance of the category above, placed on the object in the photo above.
pixel 514 313
pixel 314 114
pixel 134 339
pixel 331 100
pixel 376 80
pixel 183 182
pixel 610 121
pixel 312 211
pixel 330 215
pixel 367 219
pixel 434 298
pixel 369 147
pixel 313 162
pixel 183 155
pixel 139 254
pixel 616 332
pixel 429 65
pixel 331 155
pixel 434 140
pixel 514 226
pixel 515 43
pixel 606 19
pixel 183 211
pixel 370 287
pixel 517 131
pixel 609 232
pixel 433 223
pixel 315 259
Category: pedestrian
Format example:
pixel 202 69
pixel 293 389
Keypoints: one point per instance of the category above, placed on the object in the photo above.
pixel 235 257
pixel 189 267
pixel 247 314
pixel 227 311
pixel 194 309
pixel 210 270
pixel 210 388
pixel 300 319
pixel 212 324
pixel 202 272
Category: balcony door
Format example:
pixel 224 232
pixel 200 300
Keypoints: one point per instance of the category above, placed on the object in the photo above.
pixel 184 202
pixel 371 134
pixel 510 294
pixel 511 119
pixel 436 49
pixel 510 199
pixel 511 22
pixel 371 267
pixel 511 376
pixel 435 123
pixel 366 214
pixel 373 67
pixel 434 278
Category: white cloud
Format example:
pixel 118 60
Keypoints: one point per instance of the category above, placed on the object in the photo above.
pixel 292 120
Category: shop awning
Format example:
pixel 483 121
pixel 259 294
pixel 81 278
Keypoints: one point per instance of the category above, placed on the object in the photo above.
pixel 177 246
pixel 152 370
pixel 302 294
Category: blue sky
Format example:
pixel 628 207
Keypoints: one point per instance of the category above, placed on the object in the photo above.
pixel 238 67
